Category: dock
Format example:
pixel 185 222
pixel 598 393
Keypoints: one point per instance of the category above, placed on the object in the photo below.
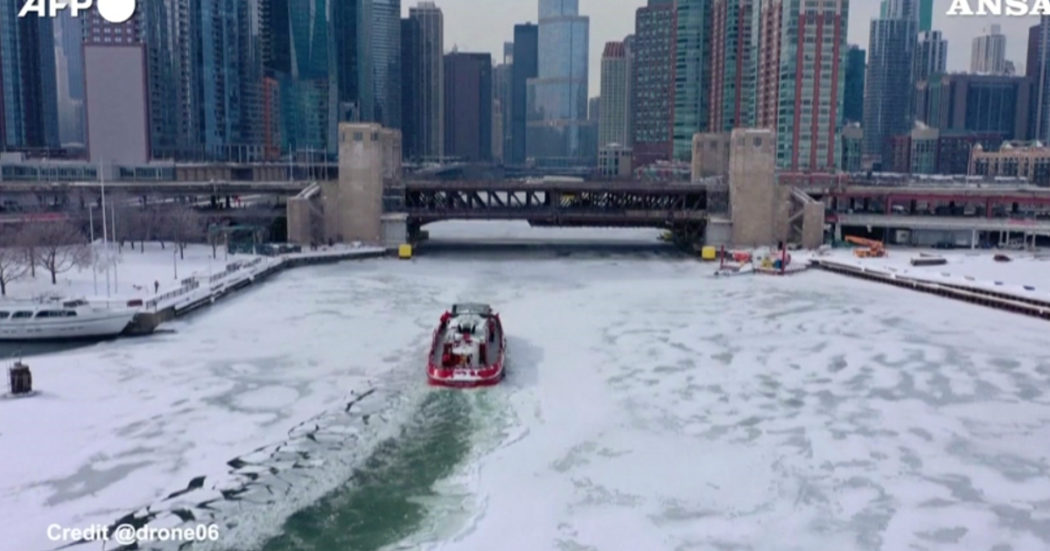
pixel 197 292
pixel 1009 302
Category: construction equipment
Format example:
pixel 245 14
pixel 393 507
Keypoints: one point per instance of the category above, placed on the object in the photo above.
pixel 872 248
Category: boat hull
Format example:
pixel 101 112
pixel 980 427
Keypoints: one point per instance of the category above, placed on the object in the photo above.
pixel 465 378
pixel 66 329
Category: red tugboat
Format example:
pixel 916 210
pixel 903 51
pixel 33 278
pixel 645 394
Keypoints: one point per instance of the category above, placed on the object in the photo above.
pixel 468 349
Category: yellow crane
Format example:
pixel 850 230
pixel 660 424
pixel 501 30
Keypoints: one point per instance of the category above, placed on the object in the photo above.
pixel 872 248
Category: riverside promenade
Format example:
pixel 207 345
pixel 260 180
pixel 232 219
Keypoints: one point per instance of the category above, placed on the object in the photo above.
pixel 198 291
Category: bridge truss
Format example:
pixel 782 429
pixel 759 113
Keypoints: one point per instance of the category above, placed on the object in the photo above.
pixel 557 203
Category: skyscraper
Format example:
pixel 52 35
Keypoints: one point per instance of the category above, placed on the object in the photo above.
pixel 767 85
pixel 931 55
pixel 1041 126
pixel 69 66
pixel 468 106
pixel 385 20
pixel 1031 67
pixel 614 125
pixel 925 15
pixel 115 85
pixel 692 75
pixel 734 58
pixel 526 67
pixel 302 65
pixel 423 116
pixel 888 84
pixel 653 84
pixel 27 80
pixel 853 100
pixel 351 40
pixel 988 56
pixel 228 81
pixel 157 28
pixel 557 127
pixel 809 120
pixel 501 85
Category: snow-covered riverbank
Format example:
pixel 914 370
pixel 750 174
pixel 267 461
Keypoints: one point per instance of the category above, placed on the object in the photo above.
pixel 1027 274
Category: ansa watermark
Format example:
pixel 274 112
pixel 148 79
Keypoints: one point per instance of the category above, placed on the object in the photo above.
pixel 1012 8
pixel 114 11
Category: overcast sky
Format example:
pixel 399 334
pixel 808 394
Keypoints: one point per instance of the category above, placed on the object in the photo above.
pixel 484 25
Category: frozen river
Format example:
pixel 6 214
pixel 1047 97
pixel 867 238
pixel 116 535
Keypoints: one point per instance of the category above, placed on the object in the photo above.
pixel 648 405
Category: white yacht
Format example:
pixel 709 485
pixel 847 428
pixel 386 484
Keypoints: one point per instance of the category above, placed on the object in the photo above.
pixel 57 319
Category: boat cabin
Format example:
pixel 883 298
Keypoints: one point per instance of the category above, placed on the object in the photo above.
pixel 68 309
pixel 468 337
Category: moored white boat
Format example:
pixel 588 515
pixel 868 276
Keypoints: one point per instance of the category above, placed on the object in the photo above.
pixel 57 319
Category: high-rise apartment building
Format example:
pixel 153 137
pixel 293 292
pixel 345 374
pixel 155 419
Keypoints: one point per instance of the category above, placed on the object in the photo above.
pixel 925 15
pixel 229 81
pixel 614 124
pixel 69 80
pixel 501 86
pixel 303 100
pixel 653 83
pixel 931 55
pixel 812 84
pixel 385 34
pixel 117 116
pixel 988 56
pixel 734 58
pixel 1031 67
pixel 468 106
pixel 28 102
pixel 769 43
pixel 351 39
pixel 692 74
pixel 1041 78
pixel 557 128
pixel 423 103
pixel 853 100
pixel 888 85
pixel 526 59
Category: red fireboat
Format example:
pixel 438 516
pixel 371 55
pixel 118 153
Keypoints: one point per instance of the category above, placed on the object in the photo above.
pixel 468 349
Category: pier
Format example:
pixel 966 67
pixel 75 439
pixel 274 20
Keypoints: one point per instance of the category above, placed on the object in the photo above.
pixel 200 291
pixel 1009 302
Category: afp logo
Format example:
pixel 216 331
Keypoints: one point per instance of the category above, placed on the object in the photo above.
pixel 114 11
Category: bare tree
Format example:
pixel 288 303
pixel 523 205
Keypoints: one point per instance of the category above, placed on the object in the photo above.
pixel 29 248
pixel 138 226
pixel 60 247
pixel 12 262
pixel 184 226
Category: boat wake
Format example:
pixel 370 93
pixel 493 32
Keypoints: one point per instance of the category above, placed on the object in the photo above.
pixel 267 485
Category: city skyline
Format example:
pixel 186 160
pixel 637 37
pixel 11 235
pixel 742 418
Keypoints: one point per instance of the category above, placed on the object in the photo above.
pixel 612 20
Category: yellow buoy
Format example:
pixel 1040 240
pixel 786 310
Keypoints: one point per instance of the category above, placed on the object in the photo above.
pixel 404 251
pixel 709 253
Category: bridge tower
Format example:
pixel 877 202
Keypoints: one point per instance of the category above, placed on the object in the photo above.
pixel 758 206
pixel 353 204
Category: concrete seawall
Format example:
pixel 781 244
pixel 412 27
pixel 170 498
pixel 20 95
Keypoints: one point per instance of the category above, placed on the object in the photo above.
pixel 974 295
pixel 198 292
